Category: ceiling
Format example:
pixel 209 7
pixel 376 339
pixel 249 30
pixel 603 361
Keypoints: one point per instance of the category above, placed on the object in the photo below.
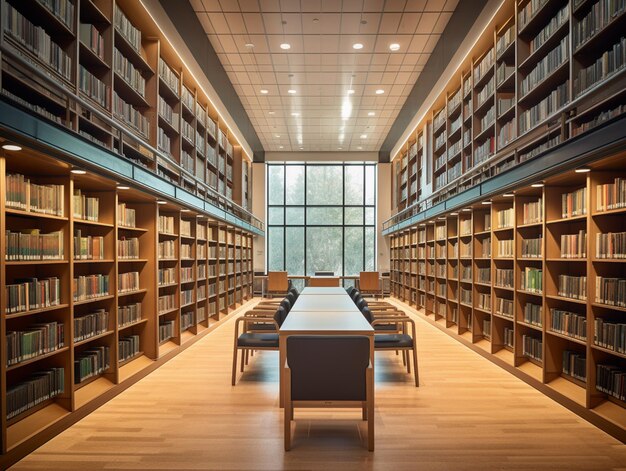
pixel 333 104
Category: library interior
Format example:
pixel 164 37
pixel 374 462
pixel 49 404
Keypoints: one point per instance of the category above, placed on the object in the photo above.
pixel 228 225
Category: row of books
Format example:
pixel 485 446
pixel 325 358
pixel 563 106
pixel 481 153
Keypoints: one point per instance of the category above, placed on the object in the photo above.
pixel 610 334
pixel 186 297
pixel 484 301
pixel 167 276
pixel 128 249
pixel 484 66
pixel 91 324
pixel 568 323
pixel 507 133
pixel 532 212
pixel 129 314
pixel 487 328
pixel 466 296
pixel 486 247
pixel 527 13
pixel 166 224
pixel 91 362
pixel 127 29
pixel 533 314
pixel 505 218
pixel 31 244
pixel 532 279
pixel 167 250
pixel 166 329
pixel 88 247
pixel 609 63
pixel 611 291
pixel 62 9
pixel 130 115
pixel 485 150
pixel 574 245
pixel 611 380
pixel 164 142
pixel 166 302
pixel 169 76
pixel 37 41
pixel 187 320
pixel 506 248
pixel 598 118
pixel 601 13
pixel 548 106
pixel 92 38
pixel 539 149
pixel 93 87
pixel 186 251
pixel 39 387
pixel 532 347
pixel 484 275
pixel 126 216
pixel 128 347
pixel 574 203
pixel 611 245
pixel 548 31
pixel 31 294
pixel 25 195
pixel 186 274
pixel 485 93
pixel 504 277
pixel 127 70
pixel 504 307
pixel 167 113
pixel 552 61
pixel 128 282
pixel 611 195
pixel 532 248
pixel 575 365
pixel 508 337
pixel 90 286
pixel 505 40
pixel 85 207
pixel 573 287
pixel 38 340
pixel 487 120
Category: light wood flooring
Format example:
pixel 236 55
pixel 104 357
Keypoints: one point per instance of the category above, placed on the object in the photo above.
pixel 467 414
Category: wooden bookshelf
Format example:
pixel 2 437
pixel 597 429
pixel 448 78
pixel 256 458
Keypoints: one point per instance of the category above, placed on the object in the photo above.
pixel 113 332
pixel 527 85
pixel 551 318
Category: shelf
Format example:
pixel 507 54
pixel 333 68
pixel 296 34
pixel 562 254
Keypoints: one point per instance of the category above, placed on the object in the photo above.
pixel 35 262
pixel 35 311
pixel 128 326
pixel 91 223
pixel 21 430
pixel 542 88
pixel 569 389
pixel 93 300
pixel 132 260
pixel 566 337
pixel 568 219
pixel 563 298
pixel 598 42
pixel 531 369
pixel 539 53
pixel 132 229
pixel 94 337
pixel 128 93
pixel 131 293
pixel 530 293
pixel 169 311
pixel 607 350
pixel 530 326
pixel 30 214
pixel 91 391
pixel 37 358
pixel 83 261
pixel 91 58
pixel 131 53
pixel 608 306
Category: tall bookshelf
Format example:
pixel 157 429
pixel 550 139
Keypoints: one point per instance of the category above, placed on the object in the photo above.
pixel 534 285
pixel 540 73
pixel 101 284
pixel 108 75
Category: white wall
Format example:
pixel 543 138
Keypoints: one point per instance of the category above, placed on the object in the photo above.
pixel 258 209
pixel 383 212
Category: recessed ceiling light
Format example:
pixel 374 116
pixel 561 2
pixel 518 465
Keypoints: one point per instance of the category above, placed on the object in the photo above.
pixel 295 114
pixel 184 210
pixel 454 214
pixel 582 170
pixel 272 112
pixel 350 92
pixel 394 46
pixel 78 171
pixel 123 187
pixel 441 217
pixel 161 202
pixel 264 91
pixel 280 147
pixel 486 202
pixel 357 46
pixel 363 136
pixel 467 210
pixel 371 113
pixel 285 46
pixel 199 216
pixel 360 148
pixel 508 195
pixel 301 148
pixel 537 185
pixel 339 148
pixel 10 146
pixel 291 91
pixel 249 45
pixel 380 91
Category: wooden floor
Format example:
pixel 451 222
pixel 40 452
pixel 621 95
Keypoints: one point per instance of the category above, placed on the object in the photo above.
pixel 467 414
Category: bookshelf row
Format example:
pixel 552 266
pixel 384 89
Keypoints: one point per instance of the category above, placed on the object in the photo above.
pixel 111 55
pixel 542 72
pixel 99 281
pixel 534 277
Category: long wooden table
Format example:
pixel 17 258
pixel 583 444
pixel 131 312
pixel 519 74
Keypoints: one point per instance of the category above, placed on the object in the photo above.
pixel 307 319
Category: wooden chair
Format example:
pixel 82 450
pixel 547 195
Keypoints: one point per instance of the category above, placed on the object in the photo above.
pixel 370 283
pixel 404 341
pixel 274 303
pixel 329 372
pixel 277 283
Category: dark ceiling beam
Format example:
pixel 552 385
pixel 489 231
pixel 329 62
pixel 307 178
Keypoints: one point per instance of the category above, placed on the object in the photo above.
pixel 186 21
pixel 453 35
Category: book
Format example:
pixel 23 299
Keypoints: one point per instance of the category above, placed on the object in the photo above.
pixel 91 324
pixel 39 387
pixel 37 340
pixel 568 323
pixel 574 203
pixel 573 287
pixel 28 196
pixel 31 244
pixel 575 365
pixel 91 362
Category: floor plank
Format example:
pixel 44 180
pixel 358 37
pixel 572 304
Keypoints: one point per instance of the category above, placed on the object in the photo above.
pixel 468 414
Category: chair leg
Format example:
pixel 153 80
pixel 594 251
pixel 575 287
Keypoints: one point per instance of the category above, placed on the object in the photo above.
pixel 364 411
pixel 247 356
pixel 404 358
pixel 408 362
pixel 288 415
pixel 234 378
pixel 415 370
pixel 243 356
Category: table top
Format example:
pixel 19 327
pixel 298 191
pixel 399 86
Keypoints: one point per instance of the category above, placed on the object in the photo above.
pixel 325 303
pixel 332 322
pixel 317 290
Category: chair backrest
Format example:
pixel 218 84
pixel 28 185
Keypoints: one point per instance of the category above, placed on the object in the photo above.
pixel 291 297
pixel 355 295
pixel 294 291
pixel 328 367
pixel 369 317
pixel 324 281
pixel 286 304
pixel 369 281
pixel 349 290
pixel 280 315
pixel 324 273
pixel 277 281
pixel 361 304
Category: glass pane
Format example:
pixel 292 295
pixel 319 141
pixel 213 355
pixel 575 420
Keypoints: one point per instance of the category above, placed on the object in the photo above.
pixel 369 217
pixel 294 191
pixel 353 250
pixel 324 184
pixel 294 239
pixel 275 248
pixel 354 216
pixel 324 216
pixel 323 250
pixel 370 184
pixel 354 184
pixel 276 184
pixel 370 249
pixel 294 216
pixel 275 215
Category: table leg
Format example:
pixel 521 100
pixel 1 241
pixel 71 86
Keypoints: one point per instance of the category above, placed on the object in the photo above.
pixel 282 349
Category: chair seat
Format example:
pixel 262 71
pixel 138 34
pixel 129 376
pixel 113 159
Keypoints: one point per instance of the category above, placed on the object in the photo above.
pixel 258 340
pixel 393 341
pixel 385 327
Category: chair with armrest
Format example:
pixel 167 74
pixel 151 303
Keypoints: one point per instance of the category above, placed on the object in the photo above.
pixel 254 314
pixel 329 371
pixel 266 303
pixel 370 283
pixel 248 340
pixel 277 283
pixel 355 295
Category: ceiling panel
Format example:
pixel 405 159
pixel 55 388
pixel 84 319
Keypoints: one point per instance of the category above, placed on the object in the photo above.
pixel 335 103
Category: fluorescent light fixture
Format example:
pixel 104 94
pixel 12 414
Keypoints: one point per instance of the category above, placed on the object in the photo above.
pixel 363 136
pixel 78 171
pixel 339 148
pixel 394 46
pixel 277 136
pixel 380 91
pixel 371 113
pixel 350 92
pixel 161 202
pixel 249 45
pixel 537 185
pixel 346 109
pixel 441 217
pixel 357 46
pixel 454 214
pixel 285 46
pixel 466 210
pixel 280 147
pixel 508 195
pixel 359 148
pixel 264 91
pixel 295 114
pixel 291 91
pixel 123 187
pixel 10 146
pixel 485 202
pixel 184 210
pixel 582 170
pixel 271 112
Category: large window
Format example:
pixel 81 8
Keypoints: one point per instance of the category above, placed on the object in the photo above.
pixel 321 217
